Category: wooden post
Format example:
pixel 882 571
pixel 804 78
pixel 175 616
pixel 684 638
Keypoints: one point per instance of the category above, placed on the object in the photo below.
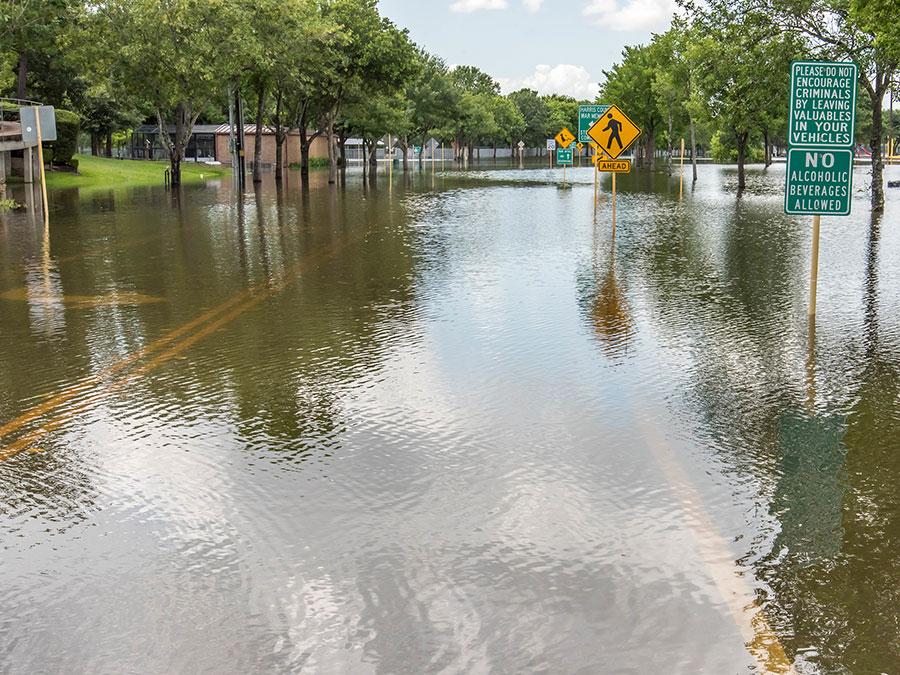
pixel 681 186
pixel 814 267
pixel 40 155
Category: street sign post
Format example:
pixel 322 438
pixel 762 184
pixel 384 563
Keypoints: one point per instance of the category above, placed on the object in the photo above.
pixel 551 146
pixel 821 130
pixel 587 116
pixel 614 133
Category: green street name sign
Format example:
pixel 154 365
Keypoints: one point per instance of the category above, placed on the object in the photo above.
pixel 823 104
pixel 819 182
pixel 564 157
pixel 587 116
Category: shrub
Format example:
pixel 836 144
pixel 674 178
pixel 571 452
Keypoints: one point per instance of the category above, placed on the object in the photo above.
pixel 62 151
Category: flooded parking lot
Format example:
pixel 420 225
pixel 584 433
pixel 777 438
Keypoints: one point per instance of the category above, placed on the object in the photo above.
pixel 447 423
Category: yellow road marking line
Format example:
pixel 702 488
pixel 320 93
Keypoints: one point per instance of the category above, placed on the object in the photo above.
pixel 256 296
pixel 759 637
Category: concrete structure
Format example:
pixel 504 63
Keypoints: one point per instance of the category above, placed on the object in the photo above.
pixel 16 156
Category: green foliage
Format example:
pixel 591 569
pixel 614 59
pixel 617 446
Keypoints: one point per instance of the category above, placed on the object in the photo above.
pixel 314 163
pixel 723 149
pixel 562 112
pixel 535 113
pixel 10 204
pixel 63 149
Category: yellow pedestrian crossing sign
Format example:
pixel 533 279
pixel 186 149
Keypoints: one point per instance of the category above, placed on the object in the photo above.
pixel 614 132
pixel 565 138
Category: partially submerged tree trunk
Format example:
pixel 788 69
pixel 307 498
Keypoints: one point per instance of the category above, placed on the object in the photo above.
pixel 694 149
pixel 184 125
pixel 768 148
pixel 109 143
pixel 332 150
pixel 257 141
pixel 742 160
pixel 877 92
pixel 280 137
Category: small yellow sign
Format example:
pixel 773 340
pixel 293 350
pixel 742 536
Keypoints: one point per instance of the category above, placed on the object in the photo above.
pixel 613 165
pixel 595 145
pixel 580 146
pixel 614 132
pixel 565 138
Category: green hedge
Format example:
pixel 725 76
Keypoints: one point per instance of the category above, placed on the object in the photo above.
pixel 61 152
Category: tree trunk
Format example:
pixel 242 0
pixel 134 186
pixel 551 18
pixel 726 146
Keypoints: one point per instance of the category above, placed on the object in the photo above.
pixel 176 148
pixel 694 149
pixel 280 137
pixel 109 143
pixel 22 76
pixel 405 147
pixel 332 154
pixel 342 146
pixel 651 148
pixel 877 160
pixel 768 148
pixel 95 144
pixel 257 145
pixel 742 159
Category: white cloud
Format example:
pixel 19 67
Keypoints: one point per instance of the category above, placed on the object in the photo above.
pixel 563 78
pixel 477 5
pixel 532 5
pixel 625 15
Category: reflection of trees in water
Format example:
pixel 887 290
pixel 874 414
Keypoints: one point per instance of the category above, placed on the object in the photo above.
pixel 846 604
pixel 830 478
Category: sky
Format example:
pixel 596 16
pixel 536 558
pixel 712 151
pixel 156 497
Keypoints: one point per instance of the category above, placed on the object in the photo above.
pixel 554 46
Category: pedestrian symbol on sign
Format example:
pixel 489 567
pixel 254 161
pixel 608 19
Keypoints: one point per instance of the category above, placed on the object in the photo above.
pixel 613 126
pixel 614 132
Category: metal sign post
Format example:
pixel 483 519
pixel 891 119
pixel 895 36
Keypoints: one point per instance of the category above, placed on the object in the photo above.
pixel 821 126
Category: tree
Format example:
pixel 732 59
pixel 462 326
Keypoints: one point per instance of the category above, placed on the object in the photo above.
pixel 367 55
pixel 432 98
pixel 743 61
pixel 31 30
pixel 508 121
pixel 535 113
pixel 170 52
pixel 629 84
pixel 864 31
pixel 563 112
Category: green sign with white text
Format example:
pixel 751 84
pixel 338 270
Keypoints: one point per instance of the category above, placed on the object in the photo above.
pixel 823 104
pixel 587 116
pixel 819 182
pixel 821 127
pixel 564 157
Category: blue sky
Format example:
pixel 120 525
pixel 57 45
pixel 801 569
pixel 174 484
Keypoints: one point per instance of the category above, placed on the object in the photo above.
pixel 554 46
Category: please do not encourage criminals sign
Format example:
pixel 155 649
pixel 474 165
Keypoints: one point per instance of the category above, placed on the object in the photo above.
pixel 823 104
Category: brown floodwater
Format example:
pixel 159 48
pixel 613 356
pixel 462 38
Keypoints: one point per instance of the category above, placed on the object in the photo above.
pixel 446 423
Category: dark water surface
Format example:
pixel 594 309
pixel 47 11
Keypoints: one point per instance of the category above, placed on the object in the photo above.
pixel 444 424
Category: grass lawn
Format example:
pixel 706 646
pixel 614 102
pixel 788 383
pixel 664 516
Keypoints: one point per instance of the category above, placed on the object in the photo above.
pixel 103 172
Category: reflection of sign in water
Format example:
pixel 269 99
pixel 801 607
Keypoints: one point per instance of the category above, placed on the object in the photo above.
pixel 809 498
pixel 614 132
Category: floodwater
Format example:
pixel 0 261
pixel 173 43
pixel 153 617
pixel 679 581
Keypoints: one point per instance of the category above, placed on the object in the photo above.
pixel 445 423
